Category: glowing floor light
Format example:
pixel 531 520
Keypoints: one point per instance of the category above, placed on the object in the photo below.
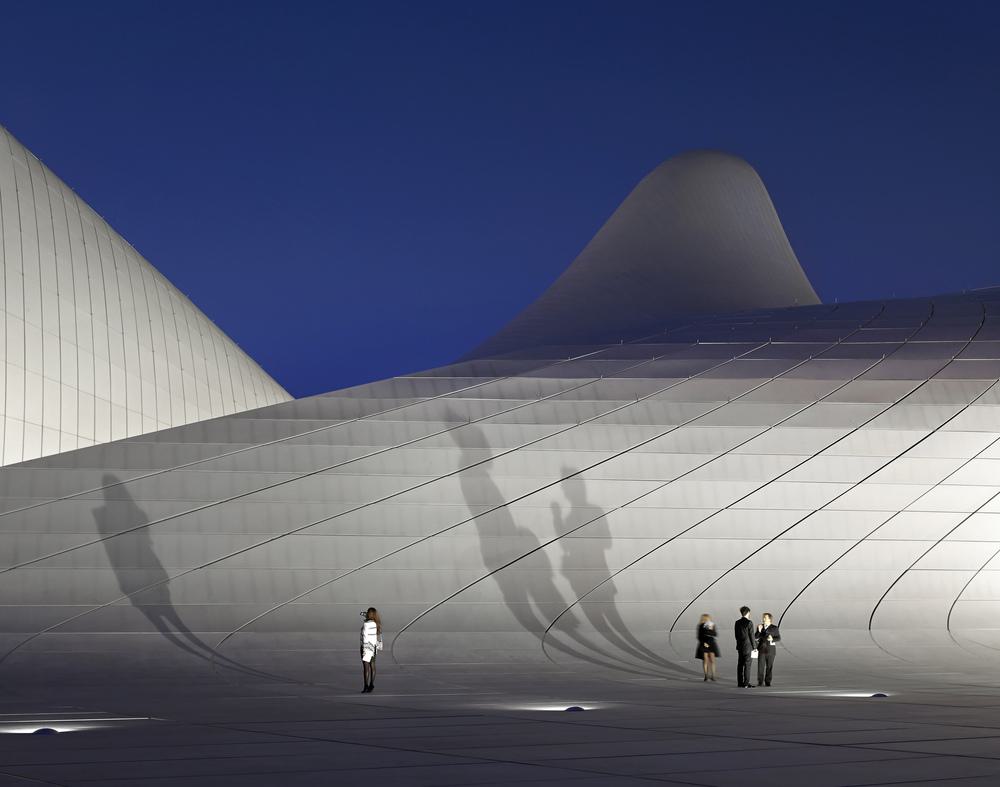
pixel 551 707
pixel 51 726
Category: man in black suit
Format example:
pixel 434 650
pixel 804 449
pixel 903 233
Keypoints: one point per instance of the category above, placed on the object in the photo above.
pixel 767 636
pixel 745 641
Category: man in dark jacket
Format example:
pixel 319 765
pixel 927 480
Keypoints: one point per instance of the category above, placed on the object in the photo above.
pixel 767 636
pixel 745 641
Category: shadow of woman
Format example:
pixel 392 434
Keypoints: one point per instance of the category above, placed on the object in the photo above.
pixel 125 535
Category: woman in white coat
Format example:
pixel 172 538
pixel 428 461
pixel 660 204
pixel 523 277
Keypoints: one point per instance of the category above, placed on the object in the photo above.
pixel 371 644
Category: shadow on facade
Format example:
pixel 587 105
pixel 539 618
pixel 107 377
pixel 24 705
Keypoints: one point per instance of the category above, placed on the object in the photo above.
pixel 141 576
pixel 585 567
pixel 532 596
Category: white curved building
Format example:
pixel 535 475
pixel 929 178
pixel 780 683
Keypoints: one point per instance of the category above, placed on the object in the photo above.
pixel 95 344
pixel 580 503
pixel 697 235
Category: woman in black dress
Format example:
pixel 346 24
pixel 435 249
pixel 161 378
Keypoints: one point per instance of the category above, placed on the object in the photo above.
pixel 708 648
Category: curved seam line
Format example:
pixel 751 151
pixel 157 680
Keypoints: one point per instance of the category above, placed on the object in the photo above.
pixel 696 524
pixel 304 527
pixel 502 505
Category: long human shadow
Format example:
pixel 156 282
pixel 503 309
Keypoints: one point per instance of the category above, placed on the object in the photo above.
pixel 526 600
pixel 126 538
pixel 585 567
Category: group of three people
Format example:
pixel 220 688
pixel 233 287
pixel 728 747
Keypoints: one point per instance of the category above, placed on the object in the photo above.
pixel 753 641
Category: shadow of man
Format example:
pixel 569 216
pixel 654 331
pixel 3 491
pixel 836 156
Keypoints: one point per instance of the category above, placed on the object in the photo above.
pixel 585 567
pixel 501 540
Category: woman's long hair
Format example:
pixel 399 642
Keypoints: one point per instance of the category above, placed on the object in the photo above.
pixel 373 615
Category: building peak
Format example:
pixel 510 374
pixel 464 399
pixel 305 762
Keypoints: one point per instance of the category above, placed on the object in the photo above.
pixel 699 234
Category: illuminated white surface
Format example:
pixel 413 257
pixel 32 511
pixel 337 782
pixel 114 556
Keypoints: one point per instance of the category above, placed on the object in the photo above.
pixel 576 504
pixel 95 344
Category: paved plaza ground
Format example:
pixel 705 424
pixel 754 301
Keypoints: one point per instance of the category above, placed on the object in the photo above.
pixel 507 724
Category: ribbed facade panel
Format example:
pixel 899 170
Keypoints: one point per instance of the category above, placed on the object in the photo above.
pixel 581 503
pixel 95 344
pixel 571 504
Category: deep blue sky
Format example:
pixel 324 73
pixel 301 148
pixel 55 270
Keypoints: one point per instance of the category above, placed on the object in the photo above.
pixel 358 189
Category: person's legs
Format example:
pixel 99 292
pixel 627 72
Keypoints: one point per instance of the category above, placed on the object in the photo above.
pixel 770 667
pixel 761 658
pixel 741 669
pixel 710 666
pixel 746 665
pixel 371 681
pixel 366 668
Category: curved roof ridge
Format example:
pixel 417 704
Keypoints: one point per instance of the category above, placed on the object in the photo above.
pixel 699 234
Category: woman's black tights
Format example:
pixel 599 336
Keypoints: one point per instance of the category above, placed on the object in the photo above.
pixel 369 670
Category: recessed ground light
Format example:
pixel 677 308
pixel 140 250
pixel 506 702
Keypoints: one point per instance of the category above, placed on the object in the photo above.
pixel 552 708
pixel 49 725
pixel 879 694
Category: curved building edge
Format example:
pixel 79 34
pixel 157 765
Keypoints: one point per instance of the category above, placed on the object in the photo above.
pixel 833 464
pixel 95 344
pixel 698 235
